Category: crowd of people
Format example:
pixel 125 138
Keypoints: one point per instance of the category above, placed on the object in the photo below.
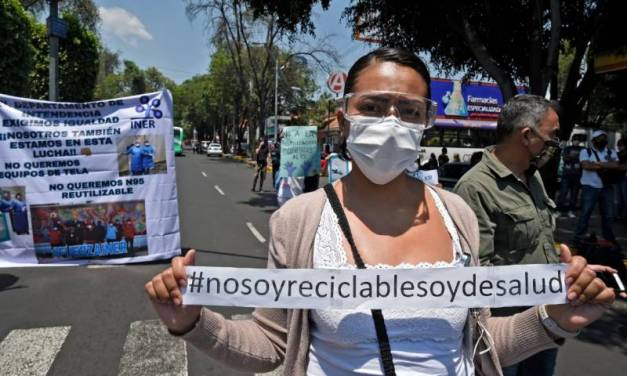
pixel 379 217
pixel 17 210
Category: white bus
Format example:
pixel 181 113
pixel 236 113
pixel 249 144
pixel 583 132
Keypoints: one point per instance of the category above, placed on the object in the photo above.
pixel 462 141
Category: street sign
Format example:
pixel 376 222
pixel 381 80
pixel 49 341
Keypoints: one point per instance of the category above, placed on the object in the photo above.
pixel 57 27
pixel 336 82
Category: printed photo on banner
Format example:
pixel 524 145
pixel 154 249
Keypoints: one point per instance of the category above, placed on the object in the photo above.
pixel 114 229
pixel 300 155
pixel 14 211
pixel 142 155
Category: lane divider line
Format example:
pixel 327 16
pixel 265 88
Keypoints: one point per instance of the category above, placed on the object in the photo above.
pixel 256 233
pixel 219 190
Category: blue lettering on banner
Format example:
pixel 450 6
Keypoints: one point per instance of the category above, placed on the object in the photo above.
pixel 143 123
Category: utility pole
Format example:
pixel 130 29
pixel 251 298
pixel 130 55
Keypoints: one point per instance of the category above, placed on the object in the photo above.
pixel 57 29
pixel 276 97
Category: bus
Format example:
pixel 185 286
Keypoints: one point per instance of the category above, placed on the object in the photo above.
pixel 462 141
pixel 466 119
pixel 178 141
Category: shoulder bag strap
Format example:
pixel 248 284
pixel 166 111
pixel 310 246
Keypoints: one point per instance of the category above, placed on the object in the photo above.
pixel 377 315
pixel 596 155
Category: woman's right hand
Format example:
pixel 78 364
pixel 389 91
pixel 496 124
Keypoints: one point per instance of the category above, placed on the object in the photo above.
pixel 164 291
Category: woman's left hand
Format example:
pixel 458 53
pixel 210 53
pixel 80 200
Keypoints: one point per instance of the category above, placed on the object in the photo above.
pixel 588 296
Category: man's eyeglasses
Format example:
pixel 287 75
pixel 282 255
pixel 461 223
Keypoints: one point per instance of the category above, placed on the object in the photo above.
pixel 408 108
pixel 549 141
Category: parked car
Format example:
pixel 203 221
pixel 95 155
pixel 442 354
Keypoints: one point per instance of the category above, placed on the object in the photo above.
pixel 450 173
pixel 214 150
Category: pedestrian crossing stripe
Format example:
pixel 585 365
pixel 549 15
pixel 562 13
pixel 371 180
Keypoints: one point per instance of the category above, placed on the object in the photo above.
pixel 31 351
pixel 148 350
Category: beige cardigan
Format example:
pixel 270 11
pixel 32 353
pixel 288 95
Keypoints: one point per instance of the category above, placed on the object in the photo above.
pixel 281 336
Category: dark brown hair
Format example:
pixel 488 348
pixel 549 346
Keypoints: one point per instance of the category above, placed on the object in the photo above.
pixel 398 56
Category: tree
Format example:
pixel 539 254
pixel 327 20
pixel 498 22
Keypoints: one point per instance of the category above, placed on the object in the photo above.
pixel 252 46
pixel 193 109
pixel 85 10
pixel 78 62
pixel 156 81
pixel 113 82
pixel 508 41
pixel 16 50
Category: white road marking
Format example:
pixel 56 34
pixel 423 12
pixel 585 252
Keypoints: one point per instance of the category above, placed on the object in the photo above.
pixel 255 232
pixel 219 190
pixel 31 351
pixel 150 350
pixel 203 173
pixel 246 316
pixel 103 266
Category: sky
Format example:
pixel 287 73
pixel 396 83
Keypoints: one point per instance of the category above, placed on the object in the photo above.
pixel 159 33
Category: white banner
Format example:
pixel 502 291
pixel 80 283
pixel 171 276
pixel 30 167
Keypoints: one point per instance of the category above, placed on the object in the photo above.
pixel 87 182
pixel 469 287
pixel 429 177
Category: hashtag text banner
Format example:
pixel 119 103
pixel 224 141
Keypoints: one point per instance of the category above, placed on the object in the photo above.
pixel 498 286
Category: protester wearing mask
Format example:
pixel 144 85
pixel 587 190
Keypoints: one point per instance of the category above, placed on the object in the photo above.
pixel 135 153
pixel 148 157
pixel 515 213
pixel 595 188
pixel 394 221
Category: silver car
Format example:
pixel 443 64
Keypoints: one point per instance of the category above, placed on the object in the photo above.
pixel 214 150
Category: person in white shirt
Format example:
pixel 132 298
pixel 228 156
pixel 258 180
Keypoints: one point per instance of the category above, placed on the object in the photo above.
pixel 593 190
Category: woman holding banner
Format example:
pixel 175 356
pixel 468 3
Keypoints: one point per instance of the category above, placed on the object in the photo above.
pixel 378 217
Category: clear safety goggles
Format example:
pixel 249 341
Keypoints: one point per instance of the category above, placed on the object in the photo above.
pixel 409 108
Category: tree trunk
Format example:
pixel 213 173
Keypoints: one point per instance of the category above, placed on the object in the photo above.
pixel 479 50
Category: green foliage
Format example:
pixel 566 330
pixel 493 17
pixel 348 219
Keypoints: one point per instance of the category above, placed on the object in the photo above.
pixel 292 15
pixel 85 10
pixel 130 81
pixel 16 51
pixel 155 80
pixel 78 62
pixel 39 73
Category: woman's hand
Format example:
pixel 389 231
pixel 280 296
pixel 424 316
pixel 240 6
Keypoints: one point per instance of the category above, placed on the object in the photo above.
pixel 164 291
pixel 588 296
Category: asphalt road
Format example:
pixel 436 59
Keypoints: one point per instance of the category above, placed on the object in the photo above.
pixel 97 321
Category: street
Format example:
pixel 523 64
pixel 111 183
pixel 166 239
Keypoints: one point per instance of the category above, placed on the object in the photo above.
pixel 98 321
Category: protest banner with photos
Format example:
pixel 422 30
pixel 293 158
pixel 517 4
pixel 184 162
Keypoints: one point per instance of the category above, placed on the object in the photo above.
pixel 300 155
pixel 87 182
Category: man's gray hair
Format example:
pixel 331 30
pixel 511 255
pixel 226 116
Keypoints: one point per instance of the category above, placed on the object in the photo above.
pixel 524 110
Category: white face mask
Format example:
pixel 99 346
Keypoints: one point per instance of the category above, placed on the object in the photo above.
pixel 383 149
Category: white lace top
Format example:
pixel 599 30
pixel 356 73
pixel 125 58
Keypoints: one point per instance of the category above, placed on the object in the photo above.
pixel 423 342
